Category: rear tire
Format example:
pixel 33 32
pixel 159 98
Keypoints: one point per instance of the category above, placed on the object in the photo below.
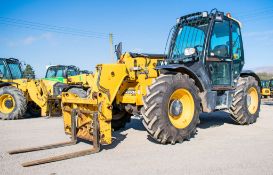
pixel 242 112
pixel 13 103
pixel 78 91
pixel 119 119
pixel 163 126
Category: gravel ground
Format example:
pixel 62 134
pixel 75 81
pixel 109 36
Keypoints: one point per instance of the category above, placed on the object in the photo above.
pixel 220 147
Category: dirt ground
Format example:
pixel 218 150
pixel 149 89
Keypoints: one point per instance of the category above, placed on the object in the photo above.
pixel 220 147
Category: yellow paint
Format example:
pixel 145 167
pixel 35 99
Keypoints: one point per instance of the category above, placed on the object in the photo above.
pixel 38 91
pixel 124 82
pixel 265 92
pixel 254 100
pixel 4 98
pixel 184 119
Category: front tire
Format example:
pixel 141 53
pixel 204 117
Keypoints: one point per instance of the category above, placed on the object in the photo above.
pixel 171 108
pixel 13 103
pixel 246 102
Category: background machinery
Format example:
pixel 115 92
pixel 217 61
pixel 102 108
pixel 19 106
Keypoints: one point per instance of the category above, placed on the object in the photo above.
pixel 202 72
pixel 69 74
pixel 19 95
pixel 271 88
pixel 60 73
pixel 265 88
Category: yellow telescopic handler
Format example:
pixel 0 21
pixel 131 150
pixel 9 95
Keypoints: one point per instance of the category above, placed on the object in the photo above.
pixel 202 72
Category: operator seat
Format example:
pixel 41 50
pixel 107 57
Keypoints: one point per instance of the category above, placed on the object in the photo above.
pixel 220 50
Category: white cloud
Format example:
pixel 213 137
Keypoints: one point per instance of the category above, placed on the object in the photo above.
pixel 47 36
pixel 259 34
pixel 137 50
pixel 29 40
pixel 264 38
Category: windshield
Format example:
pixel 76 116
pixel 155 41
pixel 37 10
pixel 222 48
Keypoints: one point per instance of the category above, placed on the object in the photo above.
pixel 189 35
pixel 72 72
pixel 271 83
pixel 60 71
pixel 265 83
pixel 53 72
pixel 13 71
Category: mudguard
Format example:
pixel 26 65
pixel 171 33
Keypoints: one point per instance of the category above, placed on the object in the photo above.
pixel 184 69
pixel 246 73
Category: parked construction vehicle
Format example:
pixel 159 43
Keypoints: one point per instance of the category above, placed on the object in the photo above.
pixel 69 74
pixel 265 92
pixel 271 87
pixel 202 72
pixel 19 95
pixel 60 73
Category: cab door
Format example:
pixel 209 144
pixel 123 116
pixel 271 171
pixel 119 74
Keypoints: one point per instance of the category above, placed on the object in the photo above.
pixel 219 58
pixel 237 49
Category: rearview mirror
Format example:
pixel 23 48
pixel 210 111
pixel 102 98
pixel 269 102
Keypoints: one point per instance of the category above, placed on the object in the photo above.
pixel 118 50
pixel 189 51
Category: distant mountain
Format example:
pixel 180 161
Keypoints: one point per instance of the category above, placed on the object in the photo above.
pixel 266 69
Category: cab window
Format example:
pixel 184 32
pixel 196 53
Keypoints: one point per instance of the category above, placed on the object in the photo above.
pixel 15 70
pixel 4 71
pixel 236 42
pixel 71 72
pixel 220 40
pixel 59 73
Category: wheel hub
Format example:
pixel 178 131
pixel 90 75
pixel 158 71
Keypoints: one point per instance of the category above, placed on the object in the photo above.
pixel 252 100
pixel 176 107
pixel 9 104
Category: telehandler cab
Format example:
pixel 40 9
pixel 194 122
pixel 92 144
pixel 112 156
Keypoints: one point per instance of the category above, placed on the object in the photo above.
pixel 60 73
pixel 201 73
pixel 74 79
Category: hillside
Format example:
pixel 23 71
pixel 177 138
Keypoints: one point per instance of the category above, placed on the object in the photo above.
pixel 267 69
pixel 264 73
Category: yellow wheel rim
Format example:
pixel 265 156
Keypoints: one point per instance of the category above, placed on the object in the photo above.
pixel 181 108
pixel 252 100
pixel 7 103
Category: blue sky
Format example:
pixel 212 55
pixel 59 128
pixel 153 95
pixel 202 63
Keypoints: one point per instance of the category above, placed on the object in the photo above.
pixel 141 25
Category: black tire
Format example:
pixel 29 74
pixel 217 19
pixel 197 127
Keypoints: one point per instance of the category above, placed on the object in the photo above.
pixel 155 110
pixel 239 109
pixel 33 109
pixel 19 106
pixel 119 119
pixel 78 91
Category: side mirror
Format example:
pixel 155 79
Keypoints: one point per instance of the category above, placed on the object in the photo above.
pixel 118 50
pixel 189 52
